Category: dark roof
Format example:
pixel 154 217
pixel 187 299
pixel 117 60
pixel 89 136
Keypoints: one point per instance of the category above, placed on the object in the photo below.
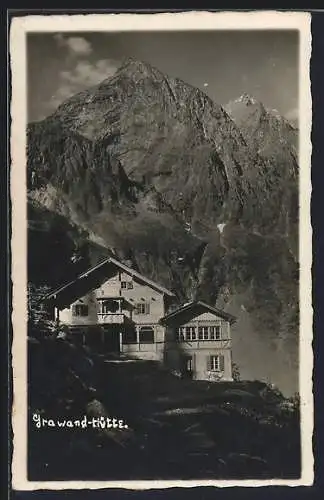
pixel 200 307
pixel 109 263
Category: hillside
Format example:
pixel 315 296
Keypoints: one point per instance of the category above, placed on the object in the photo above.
pixel 57 249
pixel 153 169
pixel 177 429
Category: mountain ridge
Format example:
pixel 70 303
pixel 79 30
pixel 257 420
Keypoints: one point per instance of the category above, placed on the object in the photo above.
pixel 153 167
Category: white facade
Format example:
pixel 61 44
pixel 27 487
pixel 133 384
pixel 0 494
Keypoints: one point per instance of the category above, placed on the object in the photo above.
pixel 126 313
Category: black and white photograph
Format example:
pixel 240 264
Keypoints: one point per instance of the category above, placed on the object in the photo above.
pixel 162 325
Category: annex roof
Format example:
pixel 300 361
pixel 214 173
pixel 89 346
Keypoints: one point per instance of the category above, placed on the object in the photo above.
pixel 196 308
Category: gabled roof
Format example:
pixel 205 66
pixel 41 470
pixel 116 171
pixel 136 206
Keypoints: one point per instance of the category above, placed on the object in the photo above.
pixel 104 270
pixel 196 308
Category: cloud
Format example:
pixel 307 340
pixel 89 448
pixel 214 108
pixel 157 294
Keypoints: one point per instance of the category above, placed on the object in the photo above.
pixel 86 73
pixel 82 69
pixel 82 75
pixel 76 45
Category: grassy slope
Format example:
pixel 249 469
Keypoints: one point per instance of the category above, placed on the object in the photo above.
pixel 177 428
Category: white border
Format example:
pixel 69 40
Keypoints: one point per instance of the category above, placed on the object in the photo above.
pixel 150 22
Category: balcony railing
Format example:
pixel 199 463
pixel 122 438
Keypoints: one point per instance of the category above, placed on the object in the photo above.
pixel 111 318
pixel 139 346
pixel 205 344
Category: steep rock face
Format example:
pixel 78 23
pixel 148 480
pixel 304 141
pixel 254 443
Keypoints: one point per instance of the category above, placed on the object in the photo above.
pixel 274 139
pixel 201 199
pixel 163 133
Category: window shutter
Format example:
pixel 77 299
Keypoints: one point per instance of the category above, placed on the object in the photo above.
pixel 209 363
pixel 221 363
pixel 73 311
pixel 147 308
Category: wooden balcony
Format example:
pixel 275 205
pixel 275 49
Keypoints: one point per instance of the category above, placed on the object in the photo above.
pixel 111 319
pixel 139 347
pixel 205 344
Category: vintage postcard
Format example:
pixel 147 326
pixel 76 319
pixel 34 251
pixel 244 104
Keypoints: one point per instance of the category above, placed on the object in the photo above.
pixel 161 250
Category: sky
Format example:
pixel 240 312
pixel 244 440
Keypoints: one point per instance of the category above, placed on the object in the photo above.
pixel 224 64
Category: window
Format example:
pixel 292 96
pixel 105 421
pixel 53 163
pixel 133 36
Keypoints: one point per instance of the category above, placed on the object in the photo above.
pixel 203 332
pixel 109 306
pixel 80 310
pixel 146 335
pixel 190 333
pixel 129 336
pixel 142 308
pixel 187 334
pixel 215 363
pixel 209 333
pixel 189 364
pixel 215 333
pixel 181 334
pixel 126 285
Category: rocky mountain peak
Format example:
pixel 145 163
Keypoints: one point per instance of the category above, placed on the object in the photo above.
pixel 266 130
pixel 132 65
pixel 247 99
pixel 244 106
